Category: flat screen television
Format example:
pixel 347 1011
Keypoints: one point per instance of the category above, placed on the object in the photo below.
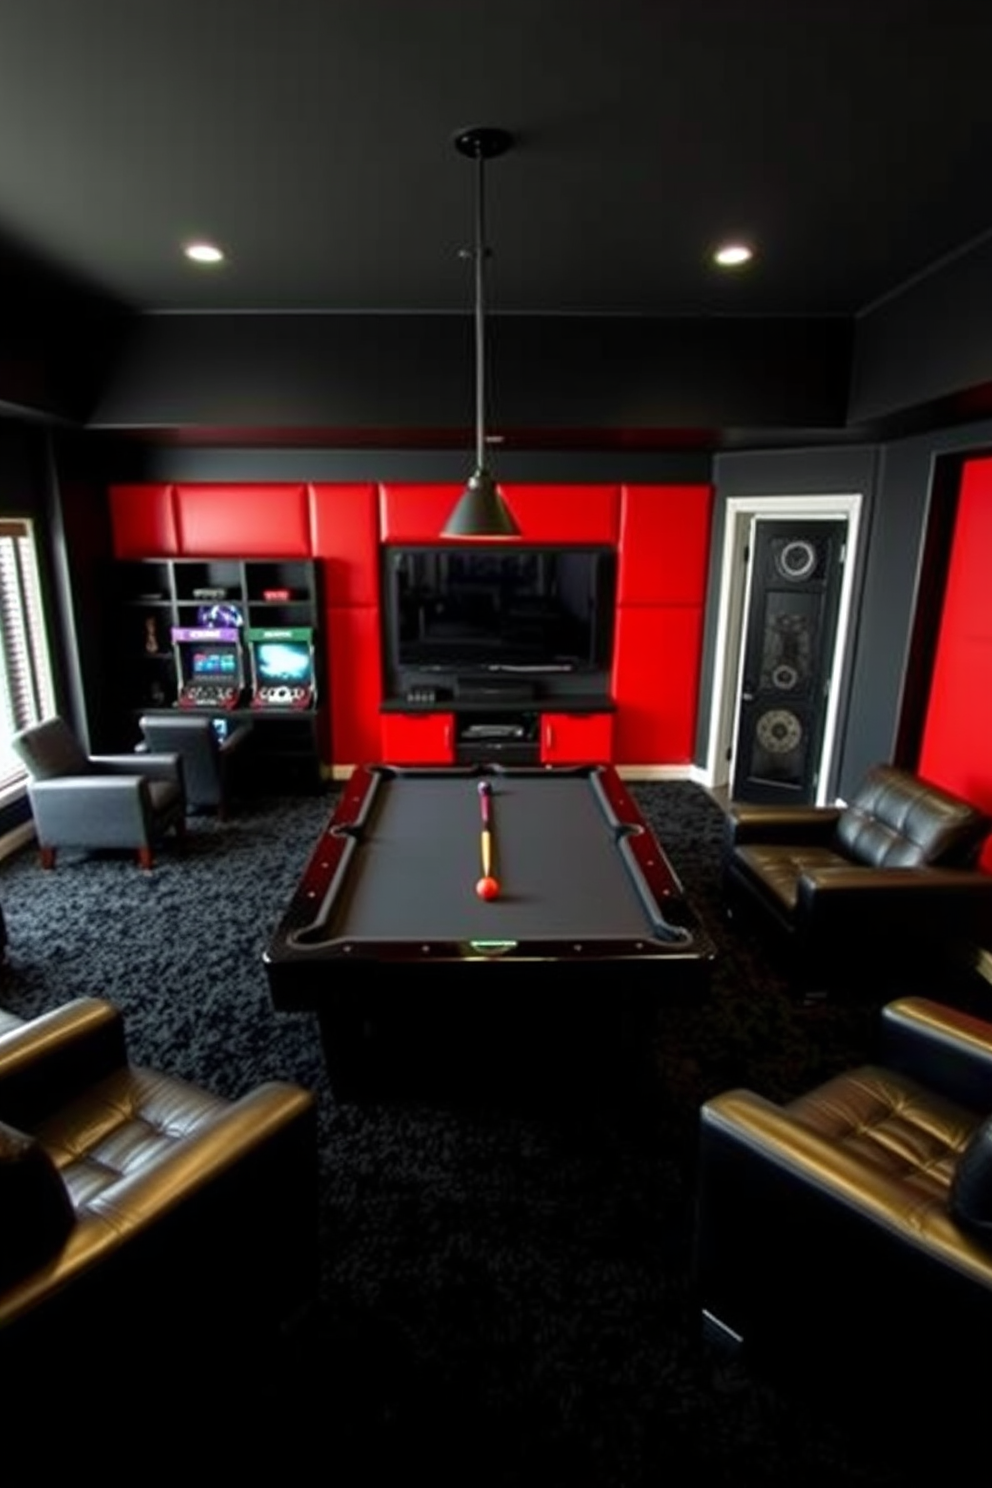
pixel 493 609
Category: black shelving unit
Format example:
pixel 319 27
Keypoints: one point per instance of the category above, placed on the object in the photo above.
pixel 151 595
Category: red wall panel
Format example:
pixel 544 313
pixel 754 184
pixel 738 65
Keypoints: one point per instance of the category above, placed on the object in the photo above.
pixel 243 521
pixel 664 544
pixel 656 683
pixel 143 521
pixel 344 521
pixel 352 639
pixel 957 738
pixel 415 513
pixel 572 513
pixel 566 513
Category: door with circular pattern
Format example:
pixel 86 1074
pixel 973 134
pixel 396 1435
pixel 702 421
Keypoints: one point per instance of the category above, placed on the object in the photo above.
pixel 790 627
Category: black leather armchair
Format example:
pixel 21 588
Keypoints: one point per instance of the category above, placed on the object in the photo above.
pixel 98 801
pixel 132 1199
pixel 848 1232
pixel 889 876
pixel 208 761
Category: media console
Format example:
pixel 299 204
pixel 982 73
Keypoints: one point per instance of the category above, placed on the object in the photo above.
pixel 558 731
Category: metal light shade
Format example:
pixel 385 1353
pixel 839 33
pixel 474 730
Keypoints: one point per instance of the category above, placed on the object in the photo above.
pixel 481 511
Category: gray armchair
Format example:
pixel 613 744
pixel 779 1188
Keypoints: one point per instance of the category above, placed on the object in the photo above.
pixel 98 801
pixel 208 761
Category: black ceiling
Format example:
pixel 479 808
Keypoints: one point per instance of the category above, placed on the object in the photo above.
pixel 312 138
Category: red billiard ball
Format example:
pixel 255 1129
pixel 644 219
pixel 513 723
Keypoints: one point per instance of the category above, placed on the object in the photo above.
pixel 487 888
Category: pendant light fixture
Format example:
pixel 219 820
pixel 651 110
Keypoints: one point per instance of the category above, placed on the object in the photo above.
pixel 481 511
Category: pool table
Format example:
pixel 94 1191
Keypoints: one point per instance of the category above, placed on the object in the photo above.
pixel 386 923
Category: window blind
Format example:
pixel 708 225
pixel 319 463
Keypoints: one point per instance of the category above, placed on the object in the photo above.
pixel 27 693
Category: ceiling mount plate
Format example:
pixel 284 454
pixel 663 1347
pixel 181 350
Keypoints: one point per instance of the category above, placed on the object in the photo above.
pixel 483 142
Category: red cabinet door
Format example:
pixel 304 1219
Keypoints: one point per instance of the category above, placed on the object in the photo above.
pixel 418 738
pixel 576 738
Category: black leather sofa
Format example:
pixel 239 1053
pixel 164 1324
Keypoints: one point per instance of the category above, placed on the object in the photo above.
pixel 845 1236
pixel 884 881
pixel 141 1211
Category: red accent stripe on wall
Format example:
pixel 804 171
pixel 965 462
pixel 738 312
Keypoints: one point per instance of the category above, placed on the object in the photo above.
pixel 957 737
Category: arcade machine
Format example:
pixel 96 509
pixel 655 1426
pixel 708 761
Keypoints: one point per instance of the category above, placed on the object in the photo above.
pixel 282 667
pixel 210 666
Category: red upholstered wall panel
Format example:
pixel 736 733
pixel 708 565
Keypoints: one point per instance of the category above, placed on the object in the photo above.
pixel 656 683
pixel 565 513
pixel 560 514
pixel 957 738
pixel 415 513
pixel 143 521
pixel 352 638
pixel 344 520
pixel 244 521
pixel 664 544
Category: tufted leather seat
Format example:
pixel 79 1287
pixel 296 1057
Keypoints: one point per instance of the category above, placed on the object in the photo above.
pixel 193 1209
pixel 891 875
pixel 826 1225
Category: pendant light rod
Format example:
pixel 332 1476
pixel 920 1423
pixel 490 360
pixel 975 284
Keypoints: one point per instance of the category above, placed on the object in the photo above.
pixel 480 311
pixel 481 144
pixel 480 511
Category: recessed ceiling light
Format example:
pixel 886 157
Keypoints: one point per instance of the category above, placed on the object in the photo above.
pixel 204 253
pixel 732 255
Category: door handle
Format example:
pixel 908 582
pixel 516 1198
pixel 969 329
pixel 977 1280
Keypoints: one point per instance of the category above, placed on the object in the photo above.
pixel 747 697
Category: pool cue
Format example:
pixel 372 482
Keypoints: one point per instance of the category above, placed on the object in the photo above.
pixel 486 840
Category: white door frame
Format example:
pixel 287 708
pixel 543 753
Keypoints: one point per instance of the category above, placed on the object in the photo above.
pixel 728 659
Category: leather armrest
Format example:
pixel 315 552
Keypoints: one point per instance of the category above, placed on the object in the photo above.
pixel 49 1060
pixel 134 1209
pixel 762 1130
pixel 943 1048
pixel 157 766
pixel 784 824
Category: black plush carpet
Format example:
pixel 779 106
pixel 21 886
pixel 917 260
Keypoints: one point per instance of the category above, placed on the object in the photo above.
pixel 505 1294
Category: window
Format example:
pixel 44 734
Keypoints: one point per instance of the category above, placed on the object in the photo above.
pixel 27 693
